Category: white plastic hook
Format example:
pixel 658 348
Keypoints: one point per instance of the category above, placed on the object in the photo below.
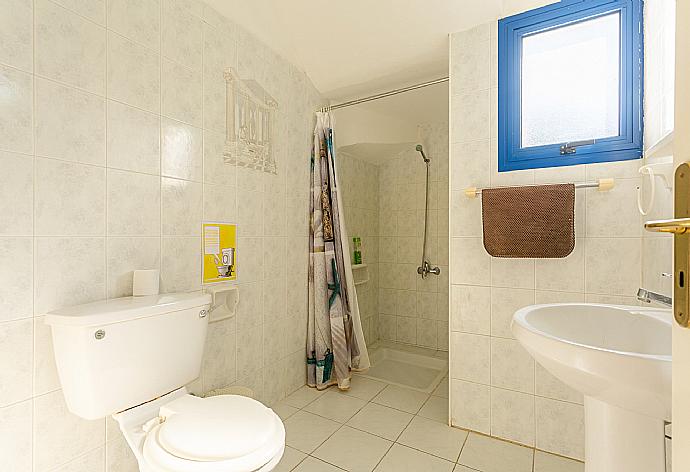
pixel 646 170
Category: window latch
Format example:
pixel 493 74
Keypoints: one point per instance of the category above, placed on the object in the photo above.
pixel 571 148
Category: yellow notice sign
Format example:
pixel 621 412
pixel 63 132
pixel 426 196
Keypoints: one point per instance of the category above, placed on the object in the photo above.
pixel 220 252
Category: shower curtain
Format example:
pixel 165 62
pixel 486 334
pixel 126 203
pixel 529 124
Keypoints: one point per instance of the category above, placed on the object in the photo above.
pixel 335 341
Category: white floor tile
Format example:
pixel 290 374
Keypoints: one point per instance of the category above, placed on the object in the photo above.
pixel 405 459
pixel 303 396
pixel 493 455
pixel 311 464
pixel 364 388
pixel 353 450
pixel 544 462
pixel 401 398
pixel 442 389
pixel 335 406
pixel 381 421
pixel 291 457
pixel 306 431
pixel 462 468
pixel 434 437
pixel 284 410
pixel 435 408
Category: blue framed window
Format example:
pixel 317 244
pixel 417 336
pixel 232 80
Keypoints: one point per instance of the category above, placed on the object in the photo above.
pixel 570 84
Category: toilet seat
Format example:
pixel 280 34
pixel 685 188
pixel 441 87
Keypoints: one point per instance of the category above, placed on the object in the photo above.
pixel 225 433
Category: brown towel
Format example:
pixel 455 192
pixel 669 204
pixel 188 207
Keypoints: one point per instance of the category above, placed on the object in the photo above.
pixel 534 221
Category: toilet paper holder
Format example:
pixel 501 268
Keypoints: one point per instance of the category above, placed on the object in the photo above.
pixel 224 301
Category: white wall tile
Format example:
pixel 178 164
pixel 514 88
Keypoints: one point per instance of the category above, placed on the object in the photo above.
pixel 16 436
pixel 471 116
pixel 560 427
pixel 51 420
pixel 546 385
pixel 505 302
pixel 181 93
pixel 70 199
pixel 470 66
pixel 126 255
pixel 180 264
pixel 70 124
pixel 133 74
pixel 16 34
pixel 181 207
pixel 69 48
pixel 133 204
pixel 45 375
pixel 134 139
pixel 471 264
pixel 470 357
pixel 16 356
pixel 599 256
pixel 512 416
pixel 182 36
pixel 513 273
pixel 94 10
pixel 71 272
pixel 471 309
pixel 216 170
pixel 138 20
pixel 567 274
pixel 218 368
pixel 471 406
pixel 511 366
pixel 16 194
pixel 16 111
pixel 16 278
pixel 182 151
pixel 614 213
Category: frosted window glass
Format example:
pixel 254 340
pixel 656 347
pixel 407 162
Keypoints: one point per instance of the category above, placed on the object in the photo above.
pixel 570 82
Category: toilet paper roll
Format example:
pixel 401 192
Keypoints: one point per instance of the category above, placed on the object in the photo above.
pixel 145 282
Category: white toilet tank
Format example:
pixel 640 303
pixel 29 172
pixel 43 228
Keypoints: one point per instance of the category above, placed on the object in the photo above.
pixel 115 354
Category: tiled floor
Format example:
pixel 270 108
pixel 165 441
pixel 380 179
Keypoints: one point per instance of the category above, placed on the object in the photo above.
pixel 385 428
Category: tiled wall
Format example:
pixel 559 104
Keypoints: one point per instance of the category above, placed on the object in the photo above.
pixel 496 386
pixel 412 310
pixel 359 182
pixel 111 136
pixel 384 204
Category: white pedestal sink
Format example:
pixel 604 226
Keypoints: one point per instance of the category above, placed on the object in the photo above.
pixel 619 357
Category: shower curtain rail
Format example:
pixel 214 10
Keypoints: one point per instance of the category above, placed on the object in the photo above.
pixel 384 94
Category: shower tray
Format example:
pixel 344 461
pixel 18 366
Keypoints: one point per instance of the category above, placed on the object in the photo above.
pixel 407 366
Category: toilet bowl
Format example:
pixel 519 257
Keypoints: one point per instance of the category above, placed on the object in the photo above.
pixel 180 432
pixel 131 357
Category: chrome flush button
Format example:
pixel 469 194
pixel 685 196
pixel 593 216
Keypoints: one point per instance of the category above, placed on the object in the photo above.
pixel 203 313
pixel 100 334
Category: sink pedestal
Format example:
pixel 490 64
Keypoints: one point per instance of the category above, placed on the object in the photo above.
pixel 619 440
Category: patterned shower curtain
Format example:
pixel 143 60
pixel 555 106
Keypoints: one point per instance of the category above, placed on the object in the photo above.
pixel 335 341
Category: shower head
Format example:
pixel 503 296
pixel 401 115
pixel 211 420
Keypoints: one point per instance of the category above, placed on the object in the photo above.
pixel 421 151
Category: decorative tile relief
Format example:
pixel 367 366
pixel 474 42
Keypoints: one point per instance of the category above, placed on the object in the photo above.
pixel 250 124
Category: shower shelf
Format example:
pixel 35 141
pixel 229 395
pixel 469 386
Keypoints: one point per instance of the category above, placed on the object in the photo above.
pixel 358 268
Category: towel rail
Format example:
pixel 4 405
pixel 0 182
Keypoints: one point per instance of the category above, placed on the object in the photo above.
pixel 602 185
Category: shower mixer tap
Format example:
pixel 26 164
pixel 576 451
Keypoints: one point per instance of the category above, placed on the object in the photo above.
pixel 426 269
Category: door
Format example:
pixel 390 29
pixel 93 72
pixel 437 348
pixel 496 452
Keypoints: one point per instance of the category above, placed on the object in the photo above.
pixel 681 150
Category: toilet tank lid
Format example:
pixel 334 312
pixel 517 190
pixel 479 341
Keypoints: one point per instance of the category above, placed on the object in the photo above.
pixel 117 310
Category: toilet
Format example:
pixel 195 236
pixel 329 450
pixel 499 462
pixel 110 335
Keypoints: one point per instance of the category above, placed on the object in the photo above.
pixel 131 358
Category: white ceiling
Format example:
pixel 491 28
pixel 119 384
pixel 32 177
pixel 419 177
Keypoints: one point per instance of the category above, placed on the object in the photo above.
pixel 358 47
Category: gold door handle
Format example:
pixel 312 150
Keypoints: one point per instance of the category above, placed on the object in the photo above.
pixel 675 226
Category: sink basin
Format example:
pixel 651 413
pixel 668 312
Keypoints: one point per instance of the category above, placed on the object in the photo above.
pixel 619 357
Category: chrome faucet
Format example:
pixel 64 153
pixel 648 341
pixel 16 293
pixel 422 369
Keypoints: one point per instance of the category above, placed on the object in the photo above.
pixel 426 269
pixel 648 296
